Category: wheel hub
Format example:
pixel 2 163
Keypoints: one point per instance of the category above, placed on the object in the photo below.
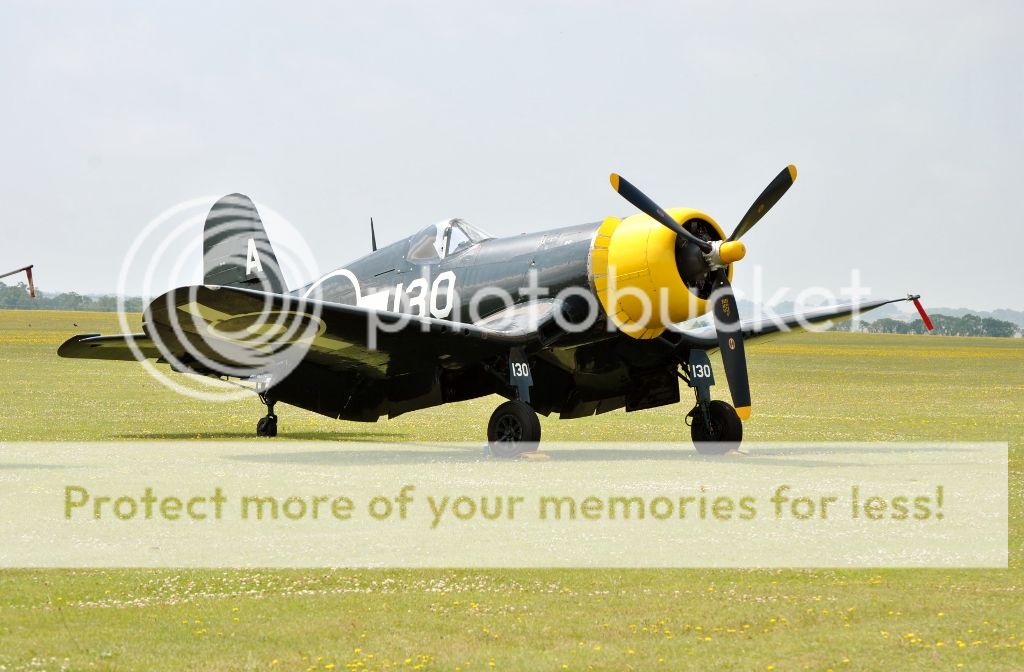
pixel 508 429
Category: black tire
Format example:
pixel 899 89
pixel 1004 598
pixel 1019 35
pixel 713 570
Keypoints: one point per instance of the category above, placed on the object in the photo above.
pixel 267 426
pixel 724 434
pixel 513 429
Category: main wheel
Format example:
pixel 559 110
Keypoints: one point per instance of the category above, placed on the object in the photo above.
pixel 514 428
pixel 267 426
pixel 724 433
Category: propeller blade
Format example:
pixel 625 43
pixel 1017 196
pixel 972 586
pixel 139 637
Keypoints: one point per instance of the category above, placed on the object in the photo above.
pixel 730 343
pixel 644 204
pixel 768 198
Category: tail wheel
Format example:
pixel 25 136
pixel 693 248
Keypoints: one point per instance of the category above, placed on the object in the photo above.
pixel 723 434
pixel 267 426
pixel 514 428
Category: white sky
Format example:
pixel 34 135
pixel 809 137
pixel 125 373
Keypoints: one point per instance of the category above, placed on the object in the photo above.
pixel 903 118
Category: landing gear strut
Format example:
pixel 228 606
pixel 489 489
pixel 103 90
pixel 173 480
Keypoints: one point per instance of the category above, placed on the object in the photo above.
pixel 267 426
pixel 514 427
pixel 714 425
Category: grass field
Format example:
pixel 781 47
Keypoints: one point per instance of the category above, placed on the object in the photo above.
pixel 829 386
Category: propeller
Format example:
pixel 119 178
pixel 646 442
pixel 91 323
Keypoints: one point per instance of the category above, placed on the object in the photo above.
pixel 766 201
pixel 712 261
pixel 644 204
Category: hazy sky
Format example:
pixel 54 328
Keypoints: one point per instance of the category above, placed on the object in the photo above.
pixel 903 118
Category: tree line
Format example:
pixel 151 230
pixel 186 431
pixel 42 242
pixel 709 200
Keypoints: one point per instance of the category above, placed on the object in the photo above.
pixel 16 296
pixel 945 325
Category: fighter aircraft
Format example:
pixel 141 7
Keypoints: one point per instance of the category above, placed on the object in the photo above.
pixel 576 321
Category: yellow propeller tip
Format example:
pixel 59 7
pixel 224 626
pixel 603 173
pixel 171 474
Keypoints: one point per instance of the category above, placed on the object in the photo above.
pixel 743 412
pixel 792 172
pixel 614 179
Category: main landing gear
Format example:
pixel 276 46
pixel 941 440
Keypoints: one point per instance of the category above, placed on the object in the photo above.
pixel 514 427
pixel 267 426
pixel 714 425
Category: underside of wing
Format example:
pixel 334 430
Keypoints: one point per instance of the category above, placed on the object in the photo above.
pixel 228 325
pixel 352 362
pixel 340 360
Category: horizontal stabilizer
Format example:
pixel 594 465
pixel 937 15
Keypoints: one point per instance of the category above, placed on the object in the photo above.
pixel 118 348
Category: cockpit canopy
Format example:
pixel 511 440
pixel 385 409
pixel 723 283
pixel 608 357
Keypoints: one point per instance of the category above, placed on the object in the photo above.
pixel 444 239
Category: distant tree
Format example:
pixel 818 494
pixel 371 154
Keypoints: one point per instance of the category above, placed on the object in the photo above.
pixel 917 327
pixel 999 328
pixel 887 325
pixel 947 325
pixel 970 325
pixel 105 303
pixel 14 296
pixel 70 301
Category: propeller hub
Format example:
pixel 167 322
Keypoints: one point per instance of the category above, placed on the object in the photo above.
pixel 724 253
pixel 732 251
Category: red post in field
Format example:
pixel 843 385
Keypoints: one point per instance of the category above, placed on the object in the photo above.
pixel 924 316
pixel 28 272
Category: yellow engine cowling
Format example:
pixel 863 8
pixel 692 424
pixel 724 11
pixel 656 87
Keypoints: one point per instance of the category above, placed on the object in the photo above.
pixel 634 274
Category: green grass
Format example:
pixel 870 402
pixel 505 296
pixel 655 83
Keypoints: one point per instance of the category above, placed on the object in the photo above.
pixel 805 387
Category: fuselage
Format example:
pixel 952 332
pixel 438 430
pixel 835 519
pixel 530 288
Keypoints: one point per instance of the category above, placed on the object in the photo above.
pixel 614 263
pixel 465 284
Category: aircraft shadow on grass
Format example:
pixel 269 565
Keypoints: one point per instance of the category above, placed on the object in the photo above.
pixel 846 457
pixel 783 457
pixel 247 436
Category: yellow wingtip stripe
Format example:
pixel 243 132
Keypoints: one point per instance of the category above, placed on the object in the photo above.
pixel 792 172
pixel 743 412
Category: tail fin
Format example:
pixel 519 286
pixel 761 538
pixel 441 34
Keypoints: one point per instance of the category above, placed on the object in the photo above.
pixel 236 249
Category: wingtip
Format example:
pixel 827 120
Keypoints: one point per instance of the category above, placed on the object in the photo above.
pixel 68 347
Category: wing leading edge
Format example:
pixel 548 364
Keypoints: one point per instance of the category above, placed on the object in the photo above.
pixel 705 337
pixel 184 319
